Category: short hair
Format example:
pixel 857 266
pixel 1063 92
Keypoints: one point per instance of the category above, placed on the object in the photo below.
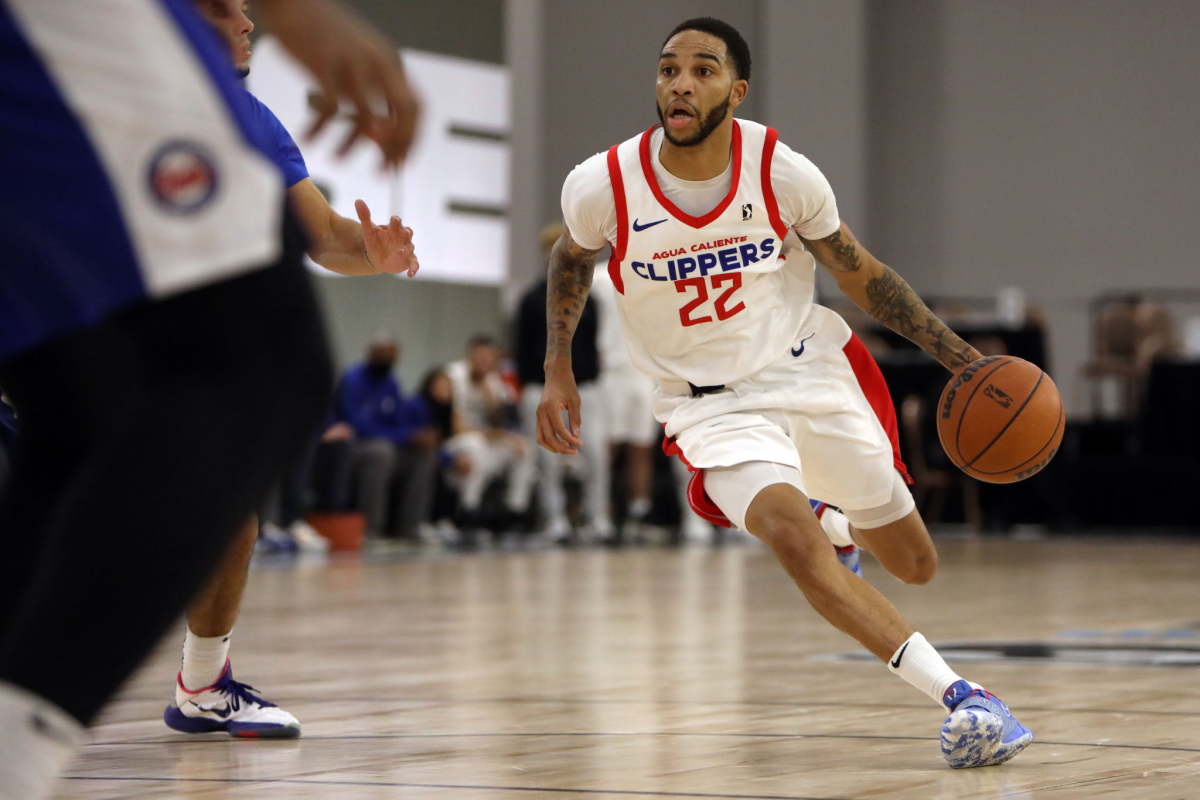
pixel 481 340
pixel 735 45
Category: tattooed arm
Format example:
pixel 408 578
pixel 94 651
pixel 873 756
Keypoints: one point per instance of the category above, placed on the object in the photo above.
pixel 877 289
pixel 571 268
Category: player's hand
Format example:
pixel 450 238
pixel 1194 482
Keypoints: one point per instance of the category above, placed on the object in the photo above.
pixel 389 248
pixel 350 61
pixel 560 394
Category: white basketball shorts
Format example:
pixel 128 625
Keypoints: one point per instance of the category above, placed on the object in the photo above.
pixel 822 408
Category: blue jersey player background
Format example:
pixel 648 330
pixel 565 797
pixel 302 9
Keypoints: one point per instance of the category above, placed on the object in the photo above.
pixel 158 332
pixel 207 699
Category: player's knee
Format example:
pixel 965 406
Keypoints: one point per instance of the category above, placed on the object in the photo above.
pixel 784 534
pixel 919 568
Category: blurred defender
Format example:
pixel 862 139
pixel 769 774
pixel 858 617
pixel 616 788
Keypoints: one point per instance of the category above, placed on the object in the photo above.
pixel 714 227
pixel 157 332
pixel 207 698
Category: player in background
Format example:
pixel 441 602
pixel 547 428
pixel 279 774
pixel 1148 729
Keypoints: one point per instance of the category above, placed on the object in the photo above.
pixel 714 227
pixel 155 320
pixel 207 699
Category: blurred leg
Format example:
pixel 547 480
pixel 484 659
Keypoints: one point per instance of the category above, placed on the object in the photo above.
pixel 151 477
pixel 415 471
pixel 374 468
pixel 594 433
pixel 522 473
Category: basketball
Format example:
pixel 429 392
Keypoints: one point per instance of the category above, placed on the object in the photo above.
pixel 1001 419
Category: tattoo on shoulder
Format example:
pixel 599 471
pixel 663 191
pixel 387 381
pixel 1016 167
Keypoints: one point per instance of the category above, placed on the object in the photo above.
pixel 844 252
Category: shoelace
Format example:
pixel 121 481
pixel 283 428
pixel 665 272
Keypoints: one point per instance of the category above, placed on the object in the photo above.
pixel 244 692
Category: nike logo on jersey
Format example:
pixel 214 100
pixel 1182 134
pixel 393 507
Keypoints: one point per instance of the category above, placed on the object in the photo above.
pixel 800 352
pixel 637 227
pixel 900 655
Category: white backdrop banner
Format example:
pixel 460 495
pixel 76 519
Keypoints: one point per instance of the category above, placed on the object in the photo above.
pixel 454 189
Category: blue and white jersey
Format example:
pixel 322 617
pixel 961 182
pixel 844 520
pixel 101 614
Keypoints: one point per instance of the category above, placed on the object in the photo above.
pixel 276 142
pixel 131 164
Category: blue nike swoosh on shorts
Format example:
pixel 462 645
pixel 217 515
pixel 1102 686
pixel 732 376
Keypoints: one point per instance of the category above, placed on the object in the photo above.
pixel 800 352
pixel 637 227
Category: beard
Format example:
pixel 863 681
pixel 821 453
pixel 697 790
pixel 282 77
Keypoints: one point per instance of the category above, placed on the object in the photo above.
pixel 708 123
pixel 242 72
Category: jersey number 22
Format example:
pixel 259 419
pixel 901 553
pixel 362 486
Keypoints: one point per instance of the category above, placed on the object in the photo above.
pixel 721 306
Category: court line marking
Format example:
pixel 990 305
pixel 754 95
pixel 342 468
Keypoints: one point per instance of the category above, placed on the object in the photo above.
pixel 291 699
pixel 665 734
pixel 396 784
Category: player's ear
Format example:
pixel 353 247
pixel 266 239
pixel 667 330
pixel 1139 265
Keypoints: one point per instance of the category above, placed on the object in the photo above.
pixel 738 93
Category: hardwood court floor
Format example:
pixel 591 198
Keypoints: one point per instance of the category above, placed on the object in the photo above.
pixel 654 673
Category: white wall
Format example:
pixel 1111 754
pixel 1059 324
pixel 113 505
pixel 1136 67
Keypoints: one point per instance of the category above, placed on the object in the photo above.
pixel 1051 146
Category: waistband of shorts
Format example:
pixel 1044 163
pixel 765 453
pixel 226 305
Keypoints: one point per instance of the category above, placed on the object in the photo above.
pixel 687 388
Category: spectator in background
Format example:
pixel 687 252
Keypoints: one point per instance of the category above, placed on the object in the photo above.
pixel 530 348
pixel 437 393
pixel 393 448
pixel 628 400
pixel 482 411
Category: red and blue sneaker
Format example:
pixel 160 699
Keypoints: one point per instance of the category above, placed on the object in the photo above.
pixel 980 731
pixel 849 555
pixel 228 706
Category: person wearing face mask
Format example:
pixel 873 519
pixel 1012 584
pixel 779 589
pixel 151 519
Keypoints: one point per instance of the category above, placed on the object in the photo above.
pixel 392 444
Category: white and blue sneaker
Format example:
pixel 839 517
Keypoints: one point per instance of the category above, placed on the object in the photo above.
pixel 228 706
pixel 980 731
pixel 849 555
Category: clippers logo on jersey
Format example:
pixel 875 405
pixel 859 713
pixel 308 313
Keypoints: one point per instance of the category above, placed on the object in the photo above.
pixel 737 256
pixel 182 177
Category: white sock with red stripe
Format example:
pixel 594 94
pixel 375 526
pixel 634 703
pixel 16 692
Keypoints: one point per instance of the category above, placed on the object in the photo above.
pixel 836 526
pixel 204 660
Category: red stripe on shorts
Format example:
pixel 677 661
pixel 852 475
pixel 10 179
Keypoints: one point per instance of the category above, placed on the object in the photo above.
pixel 697 498
pixel 874 387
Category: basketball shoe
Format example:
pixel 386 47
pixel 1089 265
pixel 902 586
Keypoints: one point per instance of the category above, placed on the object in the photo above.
pixel 231 707
pixel 849 555
pixel 980 731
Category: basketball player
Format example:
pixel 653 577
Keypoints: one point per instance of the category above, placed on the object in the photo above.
pixel 207 698
pixel 715 227
pixel 158 334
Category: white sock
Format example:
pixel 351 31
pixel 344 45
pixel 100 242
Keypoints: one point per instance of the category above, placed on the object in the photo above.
pixel 638 508
pixel 37 739
pixel 921 666
pixel 203 660
pixel 837 527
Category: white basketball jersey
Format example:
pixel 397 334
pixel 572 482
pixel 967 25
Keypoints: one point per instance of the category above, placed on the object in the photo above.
pixel 707 299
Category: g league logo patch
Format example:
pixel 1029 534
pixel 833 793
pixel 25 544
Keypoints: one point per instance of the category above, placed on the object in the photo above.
pixel 182 176
pixel 747 212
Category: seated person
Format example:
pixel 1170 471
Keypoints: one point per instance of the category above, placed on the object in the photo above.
pixel 392 449
pixel 483 408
